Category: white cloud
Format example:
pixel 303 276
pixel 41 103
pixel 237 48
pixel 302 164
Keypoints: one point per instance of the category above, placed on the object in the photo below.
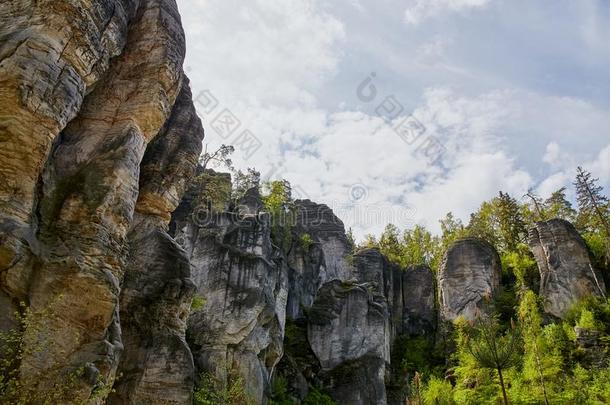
pixel 273 63
pixel 420 10
pixel 261 51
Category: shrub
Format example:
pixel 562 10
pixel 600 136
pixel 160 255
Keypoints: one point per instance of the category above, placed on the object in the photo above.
pixel 211 391
pixel 197 303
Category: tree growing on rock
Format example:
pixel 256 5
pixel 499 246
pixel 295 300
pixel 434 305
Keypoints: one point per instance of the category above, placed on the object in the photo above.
pixel 221 156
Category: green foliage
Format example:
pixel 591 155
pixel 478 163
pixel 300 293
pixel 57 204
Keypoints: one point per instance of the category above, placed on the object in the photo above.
pixel 594 206
pixel 279 391
pixel 415 354
pixel 211 391
pixel 438 392
pixel 244 181
pixel 306 241
pixel 490 348
pixel 500 222
pixel 521 263
pixel 590 313
pixel 278 202
pixel 220 157
pixel 558 206
pixel 351 241
pixel 197 303
pixel 214 190
pixel 17 344
pixel 317 397
pixel 414 247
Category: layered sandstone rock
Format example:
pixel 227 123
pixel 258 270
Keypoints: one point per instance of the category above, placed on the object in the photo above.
pixel 417 298
pixel 157 364
pixel 566 273
pixel 324 258
pixel 349 332
pixel 469 275
pixel 86 87
pixel 243 280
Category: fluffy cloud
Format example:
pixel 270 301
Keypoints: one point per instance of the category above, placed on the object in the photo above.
pixel 261 51
pixel 420 10
pixel 283 67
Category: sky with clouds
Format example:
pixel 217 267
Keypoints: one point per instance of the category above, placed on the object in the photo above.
pixel 401 111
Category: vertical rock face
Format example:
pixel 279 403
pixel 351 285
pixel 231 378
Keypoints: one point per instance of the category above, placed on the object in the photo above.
pixel 349 332
pixel 86 87
pixel 157 365
pixel 566 273
pixel 243 279
pixel 470 271
pixel 417 298
pixel 324 260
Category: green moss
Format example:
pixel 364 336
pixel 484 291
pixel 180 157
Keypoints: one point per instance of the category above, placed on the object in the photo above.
pixel 197 303
pixel 306 241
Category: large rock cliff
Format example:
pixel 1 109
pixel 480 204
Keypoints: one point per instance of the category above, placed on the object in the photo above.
pixel 243 279
pixel 92 165
pixel 108 242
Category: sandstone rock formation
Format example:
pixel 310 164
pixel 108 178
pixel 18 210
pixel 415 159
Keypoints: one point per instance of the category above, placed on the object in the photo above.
pixel 87 86
pixel 349 332
pixel 470 271
pixel 156 295
pixel 243 279
pixel 323 260
pixel 566 273
pixel 417 300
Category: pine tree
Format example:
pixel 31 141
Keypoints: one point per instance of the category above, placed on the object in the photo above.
pixel 221 156
pixel 558 206
pixel 511 224
pixel 491 349
pixel 593 205
pixel 537 203
pixel 390 246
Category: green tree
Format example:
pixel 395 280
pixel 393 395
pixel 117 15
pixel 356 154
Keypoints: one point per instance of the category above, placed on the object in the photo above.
pixel 452 229
pixel 493 350
pixel 593 205
pixel 390 246
pixel 558 206
pixel 351 240
pixel 278 202
pixel 211 391
pixel 539 213
pixel 542 363
pixel 420 247
pixel 220 156
pixel 500 222
pixel 244 181
pixel 510 222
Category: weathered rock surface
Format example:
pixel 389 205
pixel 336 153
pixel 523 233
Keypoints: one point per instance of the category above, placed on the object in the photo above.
pixel 417 300
pixel 243 279
pixel 157 364
pixel 349 332
pixel 470 271
pixel 86 86
pixel 325 260
pixel 566 273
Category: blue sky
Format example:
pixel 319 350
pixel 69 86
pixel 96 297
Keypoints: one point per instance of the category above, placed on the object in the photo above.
pixel 505 94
